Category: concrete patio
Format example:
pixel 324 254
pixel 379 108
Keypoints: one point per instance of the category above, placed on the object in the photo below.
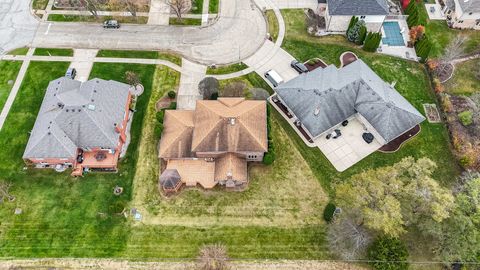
pixel 349 148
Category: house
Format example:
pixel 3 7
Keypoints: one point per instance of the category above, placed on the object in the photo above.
pixel 80 125
pixel 338 14
pixel 463 14
pixel 352 100
pixel 212 144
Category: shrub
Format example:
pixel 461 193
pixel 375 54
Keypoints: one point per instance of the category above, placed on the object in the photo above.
pixel 466 118
pixel 437 85
pixel 388 254
pixel 269 158
pixel 372 41
pixel 160 116
pixel 447 104
pixel 353 21
pixel 466 161
pixel 208 87
pixel 173 106
pixel 213 257
pixel 214 96
pixel 158 130
pixel 355 33
pixel 329 211
pixel 172 94
pixel 362 34
pixel 423 47
pixel 132 78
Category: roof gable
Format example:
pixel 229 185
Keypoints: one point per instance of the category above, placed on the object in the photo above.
pixel 357 7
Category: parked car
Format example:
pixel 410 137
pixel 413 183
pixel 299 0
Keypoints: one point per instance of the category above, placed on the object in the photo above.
pixel 299 67
pixel 274 77
pixel 71 73
pixel 111 24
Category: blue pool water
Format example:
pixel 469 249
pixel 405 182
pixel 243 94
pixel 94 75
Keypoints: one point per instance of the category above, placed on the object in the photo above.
pixel 393 35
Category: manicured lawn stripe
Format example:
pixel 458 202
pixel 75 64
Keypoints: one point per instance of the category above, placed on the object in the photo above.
pixel 99 19
pixel 53 52
pixel 185 21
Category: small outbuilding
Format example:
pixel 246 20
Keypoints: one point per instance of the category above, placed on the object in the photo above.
pixel 170 181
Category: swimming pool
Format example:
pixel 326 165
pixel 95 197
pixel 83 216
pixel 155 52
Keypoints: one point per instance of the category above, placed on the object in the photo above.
pixel 393 37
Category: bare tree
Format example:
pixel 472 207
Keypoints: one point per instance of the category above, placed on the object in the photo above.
pixel 213 257
pixel 5 193
pixel 180 7
pixel 132 6
pixel 132 78
pixel 92 6
pixel 348 237
pixel 455 49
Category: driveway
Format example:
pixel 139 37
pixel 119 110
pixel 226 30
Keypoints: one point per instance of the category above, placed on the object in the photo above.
pixel 238 33
pixel 272 57
pixel 17 25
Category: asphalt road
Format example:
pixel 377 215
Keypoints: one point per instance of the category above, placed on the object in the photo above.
pixel 17 25
pixel 238 33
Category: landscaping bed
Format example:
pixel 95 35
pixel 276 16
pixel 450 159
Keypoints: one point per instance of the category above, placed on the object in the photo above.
pixel 431 111
pixel 99 19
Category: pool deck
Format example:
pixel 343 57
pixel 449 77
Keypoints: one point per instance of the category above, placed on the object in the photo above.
pixel 399 51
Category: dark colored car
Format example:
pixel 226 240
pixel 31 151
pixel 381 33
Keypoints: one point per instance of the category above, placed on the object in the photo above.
pixel 71 73
pixel 299 67
pixel 111 24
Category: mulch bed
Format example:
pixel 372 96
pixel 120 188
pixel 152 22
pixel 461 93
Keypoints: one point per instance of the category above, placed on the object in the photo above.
pixel 163 103
pixel 283 108
pixel 318 63
pixel 446 72
pixel 348 58
pixel 396 143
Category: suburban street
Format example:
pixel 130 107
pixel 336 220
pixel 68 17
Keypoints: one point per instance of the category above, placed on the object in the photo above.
pixel 17 25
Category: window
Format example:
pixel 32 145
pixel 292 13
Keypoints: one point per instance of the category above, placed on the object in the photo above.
pixel 362 17
pixel 470 13
pixel 460 21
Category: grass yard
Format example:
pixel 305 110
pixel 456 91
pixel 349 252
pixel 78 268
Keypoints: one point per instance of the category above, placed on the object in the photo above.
pixel 464 81
pixel 412 83
pixel 226 69
pixel 53 52
pixel 252 80
pixel 63 216
pixel 40 4
pixel 93 19
pixel 8 72
pixel 185 21
pixel 197 7
pixel 213 6
pixel 19 51
pixel 441 36
pixel 272 24
pixel 174 58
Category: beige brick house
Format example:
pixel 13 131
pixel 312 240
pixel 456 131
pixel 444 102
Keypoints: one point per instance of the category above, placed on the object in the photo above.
pixel 212 144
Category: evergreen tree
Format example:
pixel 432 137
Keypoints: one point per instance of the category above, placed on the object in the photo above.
pixel 361 35
pixel 353 35
pixel 372 41
pixel 353 21
pixel 423 47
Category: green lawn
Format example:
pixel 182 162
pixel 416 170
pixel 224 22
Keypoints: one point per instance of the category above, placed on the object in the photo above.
pixel 174 58
pixel 412 83
pixel 67 217
pixel 8 72
pixel 197 7
pixel 39 4
pixel 53 52
pixel 442 35
pixel 272 24
pixel 185 21
pixel 19 51
pixel 213 6
pixel 464 81
pixel 63 216
pixel 99 19
pixel 226 69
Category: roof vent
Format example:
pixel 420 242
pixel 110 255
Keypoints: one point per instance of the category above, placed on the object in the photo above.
pixel 317 111
pixel 91 107
pixel 232 121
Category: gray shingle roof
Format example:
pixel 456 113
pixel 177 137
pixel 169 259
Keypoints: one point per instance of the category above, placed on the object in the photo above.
pixel 358 7
pixel 470 6
pixel 324 98
pixel 77 115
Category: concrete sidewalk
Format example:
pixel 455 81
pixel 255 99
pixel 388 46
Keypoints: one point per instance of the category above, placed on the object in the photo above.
pixel 159 13
pixel 188 93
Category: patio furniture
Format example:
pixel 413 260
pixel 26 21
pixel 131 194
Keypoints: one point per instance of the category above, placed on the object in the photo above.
pixel 334 135
pixel 432 9
pixel 368 137
pixel 100 156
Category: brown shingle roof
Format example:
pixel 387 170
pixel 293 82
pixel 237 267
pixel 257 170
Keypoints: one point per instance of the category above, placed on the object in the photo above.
pixel 231 167
pixel 176 141
pixel 230 125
